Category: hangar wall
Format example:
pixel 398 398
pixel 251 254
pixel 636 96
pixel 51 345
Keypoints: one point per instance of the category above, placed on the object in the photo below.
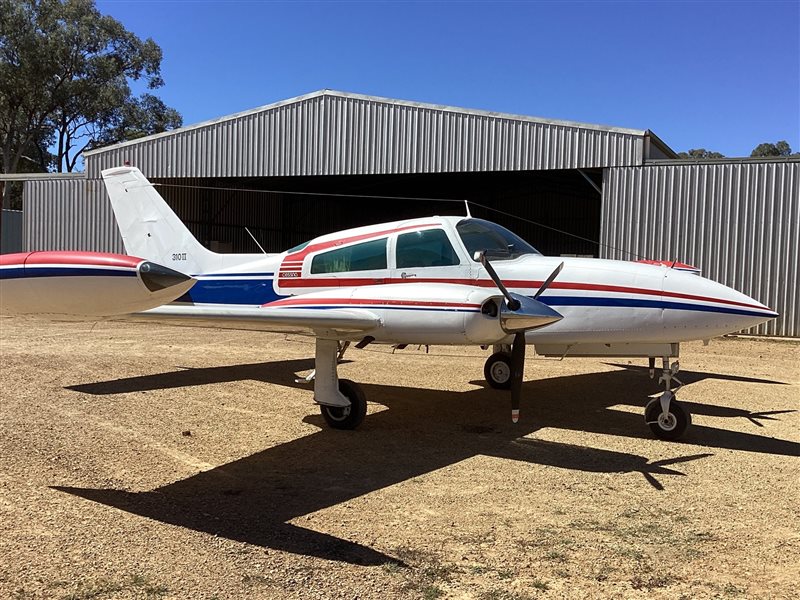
pixel 11 233
pixel 737 220
pixel 68 215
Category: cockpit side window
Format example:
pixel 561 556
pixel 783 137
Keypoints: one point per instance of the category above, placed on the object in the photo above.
pixel 429 248
pixel 498 242
pixel 366 256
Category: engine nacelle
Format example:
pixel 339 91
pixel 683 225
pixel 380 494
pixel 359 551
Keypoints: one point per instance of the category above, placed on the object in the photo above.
pixel 438 314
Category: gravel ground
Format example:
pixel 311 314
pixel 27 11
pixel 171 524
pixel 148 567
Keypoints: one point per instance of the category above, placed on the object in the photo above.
pixel 151 461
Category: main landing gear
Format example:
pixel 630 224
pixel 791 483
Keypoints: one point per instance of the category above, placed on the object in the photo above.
pixel 341 402
pixel 667 418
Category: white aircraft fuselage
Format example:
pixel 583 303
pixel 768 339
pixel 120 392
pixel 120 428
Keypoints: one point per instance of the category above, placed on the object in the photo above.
pixel 602 301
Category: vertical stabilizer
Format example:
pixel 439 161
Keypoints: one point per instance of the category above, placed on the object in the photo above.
pixel 149 227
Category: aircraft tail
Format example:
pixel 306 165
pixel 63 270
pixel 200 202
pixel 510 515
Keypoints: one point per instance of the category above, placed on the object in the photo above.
pixel 149 227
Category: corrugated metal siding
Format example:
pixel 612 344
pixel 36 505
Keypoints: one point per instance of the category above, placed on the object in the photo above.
pixel 11 236
pixel 69 215
pixel 740 223
pixel 332 134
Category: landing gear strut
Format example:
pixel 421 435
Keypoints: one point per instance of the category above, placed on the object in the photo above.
pixel 667 418
pixel 342 403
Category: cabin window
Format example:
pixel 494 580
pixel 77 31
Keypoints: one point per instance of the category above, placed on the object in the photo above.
pixel 429 248
pixel 358 257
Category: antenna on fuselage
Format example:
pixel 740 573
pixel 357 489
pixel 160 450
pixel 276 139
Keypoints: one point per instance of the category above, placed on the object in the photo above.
pixel 255 240
pixel 466 204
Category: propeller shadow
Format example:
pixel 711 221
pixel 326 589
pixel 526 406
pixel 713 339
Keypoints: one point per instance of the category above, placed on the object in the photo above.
pixel 581 458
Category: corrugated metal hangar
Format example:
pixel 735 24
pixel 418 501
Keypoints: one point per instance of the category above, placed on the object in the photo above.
pixel 326 161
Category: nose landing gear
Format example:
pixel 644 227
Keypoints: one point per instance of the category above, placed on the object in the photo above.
pixel 667 418
pixel 497 370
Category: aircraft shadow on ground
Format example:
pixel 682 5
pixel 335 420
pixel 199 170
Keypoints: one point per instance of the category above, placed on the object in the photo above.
pixel 279 372
pixel 254 499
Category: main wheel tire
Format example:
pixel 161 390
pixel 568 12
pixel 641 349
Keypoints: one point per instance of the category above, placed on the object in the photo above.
pixel 671 427
pixel 497 370
pixel 346 417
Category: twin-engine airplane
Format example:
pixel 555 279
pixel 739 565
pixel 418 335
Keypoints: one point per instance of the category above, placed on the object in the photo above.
pixel 437 280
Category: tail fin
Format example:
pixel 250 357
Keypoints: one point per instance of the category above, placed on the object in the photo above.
pixel 149 227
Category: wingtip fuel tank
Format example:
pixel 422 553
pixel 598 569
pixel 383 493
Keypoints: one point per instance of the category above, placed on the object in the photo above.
pixel 79 285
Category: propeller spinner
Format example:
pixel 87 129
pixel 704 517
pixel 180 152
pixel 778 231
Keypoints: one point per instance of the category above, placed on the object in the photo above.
pixel 519 314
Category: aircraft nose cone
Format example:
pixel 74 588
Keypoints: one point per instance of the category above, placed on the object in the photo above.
pixel 157 277
pixel 694 302
pixel 531 314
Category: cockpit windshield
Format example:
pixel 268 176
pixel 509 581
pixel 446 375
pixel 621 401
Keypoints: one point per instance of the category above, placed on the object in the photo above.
pixel 498 242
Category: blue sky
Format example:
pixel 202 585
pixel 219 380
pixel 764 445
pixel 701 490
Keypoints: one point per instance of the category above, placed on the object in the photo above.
pixel 719 75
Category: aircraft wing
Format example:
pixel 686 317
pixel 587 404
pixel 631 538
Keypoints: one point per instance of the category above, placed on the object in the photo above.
pixel 277 319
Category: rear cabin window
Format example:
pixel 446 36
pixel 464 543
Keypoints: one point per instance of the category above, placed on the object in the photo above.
pixel 429 248
pixel 358 257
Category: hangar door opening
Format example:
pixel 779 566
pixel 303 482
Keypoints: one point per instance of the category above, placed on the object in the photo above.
pixel 558 212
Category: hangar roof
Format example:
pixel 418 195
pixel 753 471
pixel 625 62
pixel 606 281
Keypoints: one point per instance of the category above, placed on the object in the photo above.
pixel 338 133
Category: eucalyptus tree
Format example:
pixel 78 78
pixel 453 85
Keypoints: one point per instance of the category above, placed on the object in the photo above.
pixel 700 153
pixel 781 148
pixel 65 83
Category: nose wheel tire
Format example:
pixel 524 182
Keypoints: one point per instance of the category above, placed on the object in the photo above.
pixel 497 371
pixel 670 426
pixel 346 417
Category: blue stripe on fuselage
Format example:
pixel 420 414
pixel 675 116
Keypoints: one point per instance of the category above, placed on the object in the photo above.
pixel 269 275
pixel 231 291
pixel 555 301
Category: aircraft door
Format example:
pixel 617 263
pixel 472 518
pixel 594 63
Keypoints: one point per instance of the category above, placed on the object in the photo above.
pixel 428 255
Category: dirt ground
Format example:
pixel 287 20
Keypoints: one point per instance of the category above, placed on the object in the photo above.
pixel 150 461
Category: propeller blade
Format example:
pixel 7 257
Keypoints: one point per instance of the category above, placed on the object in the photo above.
pixel 517 370
pixel 511 302
pixel 548 281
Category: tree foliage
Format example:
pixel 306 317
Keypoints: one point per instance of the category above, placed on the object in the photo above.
pixel 700 153
pixel 65 75
pixel 781 148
